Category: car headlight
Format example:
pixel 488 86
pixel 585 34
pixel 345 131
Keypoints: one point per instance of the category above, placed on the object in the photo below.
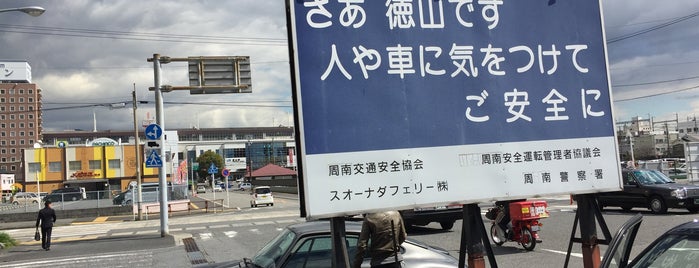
pixel 679 193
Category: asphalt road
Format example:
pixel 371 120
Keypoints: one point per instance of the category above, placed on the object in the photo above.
pixel 240 231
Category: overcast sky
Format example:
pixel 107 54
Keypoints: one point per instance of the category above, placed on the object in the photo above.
pixel 87 52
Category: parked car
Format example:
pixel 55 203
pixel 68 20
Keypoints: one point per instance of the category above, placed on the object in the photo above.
pixel 651 189
pixel 244 186
pixel 201 189
pixel 308 244
pixel 678 247
pixel 446 216
pixel 66 194
pixel 23 198
pixel 261 195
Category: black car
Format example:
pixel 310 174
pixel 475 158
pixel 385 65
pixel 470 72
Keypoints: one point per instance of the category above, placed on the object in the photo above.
pixel 66 194
pixel 651 189
pixel 678 247
pixel 308 244
pixel 120 199
pixel 446 216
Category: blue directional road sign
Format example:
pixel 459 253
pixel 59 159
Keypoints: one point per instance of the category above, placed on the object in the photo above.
pixel 153 132
pixel 153 159
pixel 213 169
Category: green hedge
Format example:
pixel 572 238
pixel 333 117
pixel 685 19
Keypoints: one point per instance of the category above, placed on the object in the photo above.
pixel 7 240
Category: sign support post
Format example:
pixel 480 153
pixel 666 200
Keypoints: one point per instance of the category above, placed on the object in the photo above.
pixel 160 120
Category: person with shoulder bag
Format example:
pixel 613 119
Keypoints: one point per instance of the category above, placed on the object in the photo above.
pixel 46 218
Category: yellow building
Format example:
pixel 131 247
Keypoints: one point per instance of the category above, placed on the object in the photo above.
pixel 98 166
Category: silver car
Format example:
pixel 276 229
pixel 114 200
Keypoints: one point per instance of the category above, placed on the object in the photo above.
pixel 309 245
pixel 23 198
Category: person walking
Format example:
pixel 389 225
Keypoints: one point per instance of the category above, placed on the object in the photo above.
pixel 47 216
pixel 386 232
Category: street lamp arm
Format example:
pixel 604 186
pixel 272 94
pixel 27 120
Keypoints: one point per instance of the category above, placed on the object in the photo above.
pixel 33 11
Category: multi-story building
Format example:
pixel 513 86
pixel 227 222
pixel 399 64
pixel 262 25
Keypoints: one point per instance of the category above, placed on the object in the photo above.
pixel 106 159
pixel 20 115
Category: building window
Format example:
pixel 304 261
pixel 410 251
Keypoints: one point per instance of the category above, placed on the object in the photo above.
pixel 75 165
pixel 21 116
pixel 3 159
pixel 21 133
pixel 12 133
pixel 95 164
pixel 2 100
pixel 2 134
pixel 12 117
pixel 12 142
pixel 21 142
pixel 114 163
pixel 21 91
pixel 34 167
pixel 12 100
pixel 30 100
pixel 2 117
pixel 13 150
pixel 21 125
pixel 30 116
pixel 3 151
pixel 12 125
pixel 13 168
pixel 2 125
pixel 12 108
pixel 31 125
pixel 21 108
pixel 31 133
pixel 54 166
pixel 30 108
pixel 31 91
pixel 21 100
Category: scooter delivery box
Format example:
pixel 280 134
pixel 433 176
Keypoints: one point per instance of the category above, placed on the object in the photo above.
pixel 528 210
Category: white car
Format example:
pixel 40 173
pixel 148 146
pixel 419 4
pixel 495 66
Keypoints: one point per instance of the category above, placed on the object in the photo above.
pixel 261 195
pixel 201 189
pixel 244 186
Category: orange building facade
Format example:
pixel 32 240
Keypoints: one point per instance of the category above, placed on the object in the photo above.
pixel 96 168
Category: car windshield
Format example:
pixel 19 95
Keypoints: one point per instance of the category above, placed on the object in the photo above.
pixel 651 177
pixel 270 254
pixel 262 190
pixel 672 251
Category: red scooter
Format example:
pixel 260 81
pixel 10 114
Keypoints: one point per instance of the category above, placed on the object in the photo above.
pixel 525 226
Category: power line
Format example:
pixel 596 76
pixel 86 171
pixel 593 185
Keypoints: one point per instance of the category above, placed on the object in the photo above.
pixel 141 36
pixel 657 94
pixel 656 82
pixel 653 28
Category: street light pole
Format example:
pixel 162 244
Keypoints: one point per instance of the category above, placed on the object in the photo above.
pixel 33 11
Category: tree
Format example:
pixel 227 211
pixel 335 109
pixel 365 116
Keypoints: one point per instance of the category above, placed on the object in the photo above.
pixel 205 160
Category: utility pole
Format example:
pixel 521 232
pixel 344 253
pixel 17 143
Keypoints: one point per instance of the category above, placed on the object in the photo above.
pixel 138 155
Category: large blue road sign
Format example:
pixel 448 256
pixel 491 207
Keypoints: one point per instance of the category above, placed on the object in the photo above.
pixel 428 91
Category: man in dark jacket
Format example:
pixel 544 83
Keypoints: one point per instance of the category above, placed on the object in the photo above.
pixel 47 216
pixel 386 232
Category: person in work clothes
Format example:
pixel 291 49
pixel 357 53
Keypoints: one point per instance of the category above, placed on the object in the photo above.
pixel 386 232
pixel 47 216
